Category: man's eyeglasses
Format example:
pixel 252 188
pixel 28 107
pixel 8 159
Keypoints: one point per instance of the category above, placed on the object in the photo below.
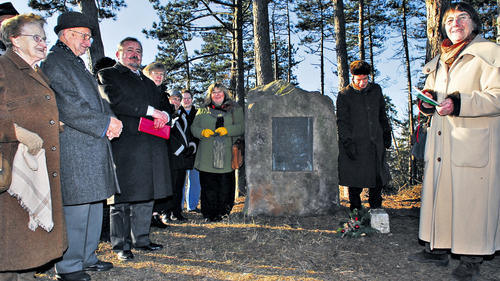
pixel 38 39
pixel 85 36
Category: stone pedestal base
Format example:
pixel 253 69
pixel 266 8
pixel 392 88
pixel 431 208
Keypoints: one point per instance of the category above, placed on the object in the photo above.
pixel 379 220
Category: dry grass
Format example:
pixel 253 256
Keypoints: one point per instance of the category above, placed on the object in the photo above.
pixel 283 248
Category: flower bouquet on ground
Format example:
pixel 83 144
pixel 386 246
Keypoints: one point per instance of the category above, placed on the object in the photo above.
pixel 358 225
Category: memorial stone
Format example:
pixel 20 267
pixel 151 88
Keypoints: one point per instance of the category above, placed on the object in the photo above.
pixel 291 152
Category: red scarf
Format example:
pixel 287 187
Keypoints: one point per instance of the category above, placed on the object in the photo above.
pixel 450 51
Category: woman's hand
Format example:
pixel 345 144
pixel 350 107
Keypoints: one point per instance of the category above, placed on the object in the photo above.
pixel 445 108
pixel 429 94
pixel 221 131
pixel 32 140
pixel 207 133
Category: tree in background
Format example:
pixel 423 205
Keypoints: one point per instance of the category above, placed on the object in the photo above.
pixel 93 9
pixel 340 44
pixel 262 45
pixel 435 9
pixel 313 19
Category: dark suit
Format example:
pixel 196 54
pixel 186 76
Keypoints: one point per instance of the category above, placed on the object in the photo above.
pixel 87 173
pixel 141 159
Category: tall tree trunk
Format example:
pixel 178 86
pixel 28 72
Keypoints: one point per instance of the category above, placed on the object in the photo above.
pixel 96 51
pixel 404 31
pixel 370 40
pixel 434 11
pixel 237 71
pixel 340 44
pixel 262 46
pixel 361 24
pixel 289 70
pixel 322 47
pixel 187 67
pixel 275 46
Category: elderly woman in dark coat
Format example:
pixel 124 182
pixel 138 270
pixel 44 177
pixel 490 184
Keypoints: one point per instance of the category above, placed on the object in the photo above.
pixel 364 134
pixel 29 115
pixel 217 124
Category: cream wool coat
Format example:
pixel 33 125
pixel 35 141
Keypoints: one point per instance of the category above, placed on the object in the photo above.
pixel 461 187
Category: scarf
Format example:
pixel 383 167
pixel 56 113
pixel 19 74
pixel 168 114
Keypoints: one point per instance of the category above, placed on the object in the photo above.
pixel 450 51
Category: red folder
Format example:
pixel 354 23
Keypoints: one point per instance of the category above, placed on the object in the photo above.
pixel 147 126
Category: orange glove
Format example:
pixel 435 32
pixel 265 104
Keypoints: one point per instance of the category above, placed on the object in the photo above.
pixel 221 131
pixel 207 133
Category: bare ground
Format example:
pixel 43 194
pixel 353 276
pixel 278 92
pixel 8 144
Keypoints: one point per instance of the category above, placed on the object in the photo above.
pixel 284 248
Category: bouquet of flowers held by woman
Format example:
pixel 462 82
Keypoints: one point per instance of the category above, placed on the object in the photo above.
pixel 358 225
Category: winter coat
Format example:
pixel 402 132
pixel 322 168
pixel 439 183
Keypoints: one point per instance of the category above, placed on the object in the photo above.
pixel 141 159
pixel 364 133
pixel 181 145
pixel 206 118
pixel 87 168
pixel 27 100
pixel 461 188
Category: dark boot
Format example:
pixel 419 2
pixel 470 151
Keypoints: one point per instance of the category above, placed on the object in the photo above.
pixel 467 269
pixel 355 198
pixel 437 257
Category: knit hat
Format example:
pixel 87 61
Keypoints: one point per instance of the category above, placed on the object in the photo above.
pixel 72 19
pixel 7 9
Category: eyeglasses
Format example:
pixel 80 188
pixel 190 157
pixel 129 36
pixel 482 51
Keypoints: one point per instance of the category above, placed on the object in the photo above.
pixel 85 36
pixel 38 39
pixel 460 19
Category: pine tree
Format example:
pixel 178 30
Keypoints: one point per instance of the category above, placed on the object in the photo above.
pixel 262 43
pixel 94 10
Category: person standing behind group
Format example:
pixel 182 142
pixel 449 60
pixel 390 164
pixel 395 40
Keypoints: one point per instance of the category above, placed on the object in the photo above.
pixel 182 149
pixel 461 186
pixel 217 124
pixel 27 107
pixel 192 191
pixel 141 159
pixel 364 134
pixel 87 168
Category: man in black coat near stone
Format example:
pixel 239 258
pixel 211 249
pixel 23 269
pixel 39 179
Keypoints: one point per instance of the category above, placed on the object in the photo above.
pixel 141 159
pixel 364 134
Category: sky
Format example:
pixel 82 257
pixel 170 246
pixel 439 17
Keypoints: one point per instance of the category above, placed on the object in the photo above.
pixel 139 14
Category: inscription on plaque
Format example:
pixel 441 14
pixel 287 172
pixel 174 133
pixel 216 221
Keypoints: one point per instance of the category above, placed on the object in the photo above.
pixel 292 143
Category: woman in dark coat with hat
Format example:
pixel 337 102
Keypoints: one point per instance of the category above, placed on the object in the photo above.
pixel 364 134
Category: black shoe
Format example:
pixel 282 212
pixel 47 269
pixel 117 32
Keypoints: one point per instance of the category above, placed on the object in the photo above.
pixel 177 217
pixel 125 255
pixel 425 257
pixel 99 266
pixel 157 221
pixel 73 276
pixel 151 247
pixel 466 271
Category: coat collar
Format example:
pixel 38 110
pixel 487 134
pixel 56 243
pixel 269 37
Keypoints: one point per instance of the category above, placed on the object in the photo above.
pixel 22 65
pixel 487 51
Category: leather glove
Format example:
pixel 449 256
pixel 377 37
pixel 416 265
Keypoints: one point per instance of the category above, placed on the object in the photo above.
pixel 350 149
pixel 221 131
pixel 32 140
pixel 207 133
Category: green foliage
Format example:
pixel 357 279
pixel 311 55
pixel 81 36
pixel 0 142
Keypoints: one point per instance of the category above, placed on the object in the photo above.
pixel 358 225
pixel 105 8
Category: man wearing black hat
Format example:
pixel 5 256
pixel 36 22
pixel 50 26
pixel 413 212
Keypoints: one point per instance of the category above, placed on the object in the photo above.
pixel 364 134
pixel 87 169
pixel 7 11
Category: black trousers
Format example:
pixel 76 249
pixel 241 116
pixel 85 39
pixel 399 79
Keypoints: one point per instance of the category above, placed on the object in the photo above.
pixel 173 203
pixel 374 197
pixel 217 194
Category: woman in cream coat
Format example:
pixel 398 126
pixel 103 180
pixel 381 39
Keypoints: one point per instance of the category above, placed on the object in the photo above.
pixel 461 187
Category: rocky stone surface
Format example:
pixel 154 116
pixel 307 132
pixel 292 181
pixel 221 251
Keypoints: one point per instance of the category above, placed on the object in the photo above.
pixel 288 191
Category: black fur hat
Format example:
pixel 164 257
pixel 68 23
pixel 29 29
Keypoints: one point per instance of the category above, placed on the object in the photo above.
pixel 7 9
pixel 360 67
pixel 72 19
